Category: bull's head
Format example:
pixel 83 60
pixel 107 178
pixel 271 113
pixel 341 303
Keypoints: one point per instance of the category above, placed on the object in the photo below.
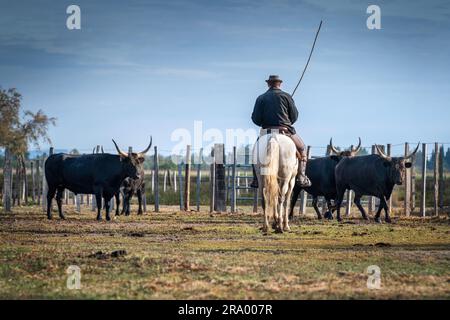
pixel 346 153
pixel 397 165
pixel 133 161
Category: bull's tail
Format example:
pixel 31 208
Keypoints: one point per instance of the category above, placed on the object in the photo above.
pixel 269 175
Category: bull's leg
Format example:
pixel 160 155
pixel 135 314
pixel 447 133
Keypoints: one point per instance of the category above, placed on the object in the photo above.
pixel 330 208
pixel 50 194
pixel 387 218
pixel 124 203
pixel 59 196
pixel 107 207
pixel 117 196
pixel 98 199
pixel 339 199
pixel 139 196
pixel 357 202
pixel 293 201
pixel 316 208
pixel 129 197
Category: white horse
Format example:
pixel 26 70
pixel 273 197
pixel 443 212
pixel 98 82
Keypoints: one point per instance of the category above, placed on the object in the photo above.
pixel 276 167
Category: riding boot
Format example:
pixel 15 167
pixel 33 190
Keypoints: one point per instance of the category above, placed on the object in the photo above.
pixel 301 179
pixel 254 183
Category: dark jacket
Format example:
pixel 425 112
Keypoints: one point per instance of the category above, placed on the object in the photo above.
pixel 275 108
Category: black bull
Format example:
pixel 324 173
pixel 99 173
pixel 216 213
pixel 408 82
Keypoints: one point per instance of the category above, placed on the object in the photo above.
pixel 320 172
pixel 128 188
pixel 98 174
pixel 372 175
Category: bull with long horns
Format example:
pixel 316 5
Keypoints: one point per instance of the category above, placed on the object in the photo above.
pixel 372 175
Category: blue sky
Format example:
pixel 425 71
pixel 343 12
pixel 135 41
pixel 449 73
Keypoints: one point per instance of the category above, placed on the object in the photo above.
pixel 149 67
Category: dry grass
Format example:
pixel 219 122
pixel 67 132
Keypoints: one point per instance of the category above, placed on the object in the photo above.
pixel 200 256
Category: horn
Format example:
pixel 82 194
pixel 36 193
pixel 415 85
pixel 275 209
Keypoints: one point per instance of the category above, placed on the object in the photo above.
pixel 123 154
pixel 102 150
pixel 356 150
pixel 332 148
pixel 142 153
pixel 381 153
pixel 413 153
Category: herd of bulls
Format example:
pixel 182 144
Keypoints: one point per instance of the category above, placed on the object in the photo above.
pixel 369 175
pixel 108 175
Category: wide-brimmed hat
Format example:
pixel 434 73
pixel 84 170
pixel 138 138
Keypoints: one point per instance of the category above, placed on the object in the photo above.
pixel 274 78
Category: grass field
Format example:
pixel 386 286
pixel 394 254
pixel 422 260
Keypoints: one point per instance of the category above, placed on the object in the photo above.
pixel 201 256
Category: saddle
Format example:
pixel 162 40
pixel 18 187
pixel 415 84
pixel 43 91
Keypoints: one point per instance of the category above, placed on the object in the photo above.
pixel 280 130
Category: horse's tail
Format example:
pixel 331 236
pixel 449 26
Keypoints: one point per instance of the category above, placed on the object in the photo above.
pixel 269 174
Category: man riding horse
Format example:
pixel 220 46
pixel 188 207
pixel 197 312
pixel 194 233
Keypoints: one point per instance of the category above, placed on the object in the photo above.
pixel 275 110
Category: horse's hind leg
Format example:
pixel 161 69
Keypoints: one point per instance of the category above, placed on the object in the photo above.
pixel 287 206
pixel 266 210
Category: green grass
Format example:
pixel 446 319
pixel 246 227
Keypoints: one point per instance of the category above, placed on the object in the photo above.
pixel 201 256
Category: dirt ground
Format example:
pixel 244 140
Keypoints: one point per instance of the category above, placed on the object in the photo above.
pixel 194 255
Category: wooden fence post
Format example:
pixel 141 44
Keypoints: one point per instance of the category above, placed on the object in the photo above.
pixel 233 182
pixel 212 178
pixel 388 153
pixel 424 180
pixel 165 181
pixel 303 194
pixel 7 182
pixel 33 183
pixel 175 181
pixel 187 179
pixel 25 181
pixel 152 183
pixel 407 201
pixel 220 197
pixel 199 178
pixel 180 184
pixel 413 184
pixel 156 164
pixel 441 178
pixel 38 184
pixel 16 190
pixel 436 179
pixel 78 202
pixel 44 182
pixel 348 207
